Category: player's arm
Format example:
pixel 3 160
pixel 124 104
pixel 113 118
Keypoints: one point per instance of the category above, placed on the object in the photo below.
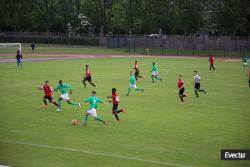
pixel 101 101
pixel 86 100
pixel 40 88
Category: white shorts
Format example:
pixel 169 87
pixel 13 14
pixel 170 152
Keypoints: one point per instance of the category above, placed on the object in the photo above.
pixel 92 112
pixel 245 64
pixel 65 97
pixel 155 73
pixel 133 86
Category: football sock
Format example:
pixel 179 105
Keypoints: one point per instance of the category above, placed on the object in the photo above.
pixel 45 102
pixel 157 78
pixel 138 89
pixel 59 103
pixel 119 111
pixel 84 83
pixel 116 116
pixel 181 97
pixel 92 84
pixel 129 89
pixel 202 91
pixel 184 95
pixel 86 119
pixel 196 94
pixel 73 103
pixel 152 78
pixel 55 104
pixel 99 119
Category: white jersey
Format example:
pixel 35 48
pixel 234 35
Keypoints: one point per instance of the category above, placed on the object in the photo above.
pixel 197 78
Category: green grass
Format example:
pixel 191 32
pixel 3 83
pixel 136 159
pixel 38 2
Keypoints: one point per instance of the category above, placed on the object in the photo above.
pixel 156 127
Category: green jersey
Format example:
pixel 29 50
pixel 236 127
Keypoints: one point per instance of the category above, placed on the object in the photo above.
pixel 63 88
pixel 132 80
pixel 244 60
pixel 93 101
pixel 154 68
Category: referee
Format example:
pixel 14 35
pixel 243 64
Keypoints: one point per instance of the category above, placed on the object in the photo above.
pixel 197 84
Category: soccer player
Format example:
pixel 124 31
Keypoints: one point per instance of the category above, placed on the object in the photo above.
pixel 93 101
pixel 197 80
pixel 48 90
pixel 115 100
pixel 33 45
pixel 155 73
pixel 65 95
pixel 181 88
pixel 132 81
pixel 244 61
pixel 137 71
pixel 19 58
pixel 211 60
pixel 87 77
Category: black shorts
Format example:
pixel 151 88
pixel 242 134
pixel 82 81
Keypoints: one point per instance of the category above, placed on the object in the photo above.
pixel 50 98
pixel 115 107
pixel 88 78
pixel 197 86
pixel 181 91
pixel 137 72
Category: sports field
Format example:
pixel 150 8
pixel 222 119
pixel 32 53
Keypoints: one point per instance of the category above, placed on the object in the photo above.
pixel 156 131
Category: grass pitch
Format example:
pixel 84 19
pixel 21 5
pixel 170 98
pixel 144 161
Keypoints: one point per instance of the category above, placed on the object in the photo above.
pixel 156 131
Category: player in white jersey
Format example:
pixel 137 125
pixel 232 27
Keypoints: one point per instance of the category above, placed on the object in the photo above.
pixel 197 84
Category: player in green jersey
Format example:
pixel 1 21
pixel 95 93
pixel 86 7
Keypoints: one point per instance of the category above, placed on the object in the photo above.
pixel 93 101
pixel 244 61
pixel 132 84
pixel 155 73
pixel 65 95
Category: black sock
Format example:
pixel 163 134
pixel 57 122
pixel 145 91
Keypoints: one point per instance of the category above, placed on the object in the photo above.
pixel 45 102
pixel 181 99
pixel 119 111
pixel 92 84
pixel 55 104
pixel 202 91
pixel 84 83
pixel 116 117
pixel 196 93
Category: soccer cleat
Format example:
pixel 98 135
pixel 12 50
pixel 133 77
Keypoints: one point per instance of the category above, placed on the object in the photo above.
pixel 79 104
pixel 59 110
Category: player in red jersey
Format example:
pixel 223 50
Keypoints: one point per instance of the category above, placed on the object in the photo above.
pixel 48 90
pixel 87 77
pixel 137 71
pixel 211 60
pixel 115 100
pixel 181 88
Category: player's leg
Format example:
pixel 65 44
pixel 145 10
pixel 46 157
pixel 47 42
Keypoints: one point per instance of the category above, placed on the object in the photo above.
pixel 51 100
pixel 152 77
pixel 129 89
pixel 181 94
pixel 249 82
pixel 114 108
pixel 158 78
pixel 45 102
pixel 210 66
pixel 59 103
pixel 85 120
pixel 84 82
pixel 90 81
pixel 213 67
pixel 73 103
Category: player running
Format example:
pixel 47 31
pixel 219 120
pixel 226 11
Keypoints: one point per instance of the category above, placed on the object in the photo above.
pixel 19 58
pixel 197 80
pixel 244 62
pixel 87 77
pixel 211 60
pixel 65 95
pixel 93 101
pixel 48 90
pixel 132 82
pixel 181 88
pixel 115 100
pixel 155 73
pixel 137 71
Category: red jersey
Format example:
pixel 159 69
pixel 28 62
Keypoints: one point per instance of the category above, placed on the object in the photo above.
pixel 180 84
pixel 47 90
pixel 87 73
pixel 115 98
pixel 136 66
pixel 211 59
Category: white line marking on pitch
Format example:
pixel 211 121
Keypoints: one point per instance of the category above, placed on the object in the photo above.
pixel 95 153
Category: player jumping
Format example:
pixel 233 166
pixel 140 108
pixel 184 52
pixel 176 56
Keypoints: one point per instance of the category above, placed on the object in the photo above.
pixel 19 58
pixel 137 71
pixel 93 101
pixel 197 80
pixel 155 73
pixel 48 90
pixel 244 61
pixel 181 88
pixel 87 77
pixel 115 100
pixel 211 60
pixel 132 81
pixel 65 96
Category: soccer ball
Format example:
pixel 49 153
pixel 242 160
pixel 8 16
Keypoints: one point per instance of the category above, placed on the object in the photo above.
pixel 74 122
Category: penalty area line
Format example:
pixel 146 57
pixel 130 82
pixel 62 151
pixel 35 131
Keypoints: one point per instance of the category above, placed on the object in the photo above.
pixel 95 153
